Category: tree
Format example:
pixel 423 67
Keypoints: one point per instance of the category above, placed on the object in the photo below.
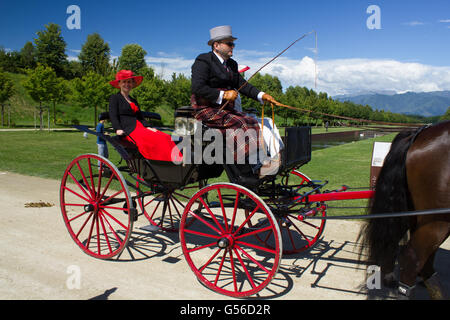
pixel 178 92
pixel 92 90
pixel 95 55
pixel 267 83
pixel 6 91
pixel 10 60
pixel 446 115
pixel 150 93
pixel 41 85
pixel 74 70
pixel 51 48
pixel 59 94
pixel 132 58
pixel 28 56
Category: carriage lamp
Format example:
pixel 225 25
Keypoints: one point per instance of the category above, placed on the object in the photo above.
pixel 185 126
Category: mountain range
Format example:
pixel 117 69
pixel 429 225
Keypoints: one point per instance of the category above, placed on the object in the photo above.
pixel 426 104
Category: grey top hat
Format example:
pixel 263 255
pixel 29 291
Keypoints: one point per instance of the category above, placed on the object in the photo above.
pixel 220 33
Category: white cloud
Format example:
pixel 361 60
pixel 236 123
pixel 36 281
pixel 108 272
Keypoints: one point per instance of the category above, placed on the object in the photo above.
pixel 445 21
pixel 413 23
pixel 346 76
pixel 166 65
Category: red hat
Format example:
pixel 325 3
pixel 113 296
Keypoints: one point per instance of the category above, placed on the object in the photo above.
pixel 126 74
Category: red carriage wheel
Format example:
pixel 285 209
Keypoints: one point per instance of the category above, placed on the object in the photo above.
pixel 298 235
pixel 96 206
pixel 164 208
pixel 221 249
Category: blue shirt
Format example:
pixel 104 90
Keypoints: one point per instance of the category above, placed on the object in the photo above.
pixel 100 128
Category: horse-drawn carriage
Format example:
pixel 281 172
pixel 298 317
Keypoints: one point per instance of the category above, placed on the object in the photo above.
pixel 233 234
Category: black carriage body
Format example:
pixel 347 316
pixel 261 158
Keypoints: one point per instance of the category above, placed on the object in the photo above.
pixel 297 151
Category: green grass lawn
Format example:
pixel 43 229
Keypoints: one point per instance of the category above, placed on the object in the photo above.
pixel 47 154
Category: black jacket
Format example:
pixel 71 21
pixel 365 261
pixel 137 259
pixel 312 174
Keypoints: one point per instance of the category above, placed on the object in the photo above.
pixel 209 75
pixel 122 116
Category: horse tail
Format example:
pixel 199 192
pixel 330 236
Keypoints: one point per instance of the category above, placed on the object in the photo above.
pixel 381 237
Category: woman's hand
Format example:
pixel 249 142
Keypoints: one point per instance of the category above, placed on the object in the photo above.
pixel 120 132
pixel 152 129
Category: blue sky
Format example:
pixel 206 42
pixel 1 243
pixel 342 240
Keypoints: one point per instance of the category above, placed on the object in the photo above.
pixel 409 53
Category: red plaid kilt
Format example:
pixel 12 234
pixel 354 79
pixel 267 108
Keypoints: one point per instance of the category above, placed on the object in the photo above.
pixel 228 120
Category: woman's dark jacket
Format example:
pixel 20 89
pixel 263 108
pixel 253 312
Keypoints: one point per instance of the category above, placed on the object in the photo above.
pixel 122 116
pixel 209 76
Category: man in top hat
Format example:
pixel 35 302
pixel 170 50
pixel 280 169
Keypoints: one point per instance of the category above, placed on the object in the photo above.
pixel 214 83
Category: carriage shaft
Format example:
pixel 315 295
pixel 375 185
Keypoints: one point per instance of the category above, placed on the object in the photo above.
pixel 336 196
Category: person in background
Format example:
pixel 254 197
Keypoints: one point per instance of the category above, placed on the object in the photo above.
pixel 102 147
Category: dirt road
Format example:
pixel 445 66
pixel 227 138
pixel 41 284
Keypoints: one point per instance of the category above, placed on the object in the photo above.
pixel 39 260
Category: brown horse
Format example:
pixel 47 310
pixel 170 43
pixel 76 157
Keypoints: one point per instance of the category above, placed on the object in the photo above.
pixel 415 176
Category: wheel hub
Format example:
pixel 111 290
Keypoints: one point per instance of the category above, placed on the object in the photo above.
pixel 225 242
pixel 89 207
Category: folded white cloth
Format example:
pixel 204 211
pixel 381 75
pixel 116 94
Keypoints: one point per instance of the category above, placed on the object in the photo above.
pixel 271 136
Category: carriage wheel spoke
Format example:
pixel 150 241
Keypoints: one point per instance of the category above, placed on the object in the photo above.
pixel 245 269
pixel 112 230
pixel 77 216
pixel 236 201
pixel 223 210
pixel 256 247
pixel 98 233
pixel 99 182
pixel 209 261
pixel 202 247
pixel 85 180
pixel 84 224
pixel 176 208
pixel 92 178
pixel 112 196
pixel 254 232
pixel 204 222
pixel 246 220
pixel 154 211
pixel 253 259
pixel 170 212
pixel 211 214
pixel 90 232
pixel 114 219
pixel 233 270
pixel 198 233
pixel 77 194
pixel 220 267
pixel 105 233
pixel 106 186
pixel 78 184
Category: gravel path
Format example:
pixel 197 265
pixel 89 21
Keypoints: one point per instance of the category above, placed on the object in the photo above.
pixel 39 260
